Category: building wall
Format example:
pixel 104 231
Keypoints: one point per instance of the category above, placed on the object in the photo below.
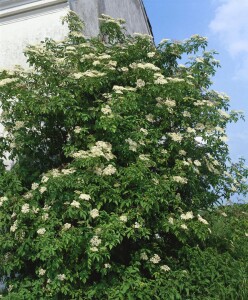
pixel 25 22
pixel 22 24
pixel 18 28
pixel 88 12
pixel 130 10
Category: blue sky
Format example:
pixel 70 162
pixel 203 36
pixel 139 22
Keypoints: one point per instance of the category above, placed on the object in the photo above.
pixel 225 23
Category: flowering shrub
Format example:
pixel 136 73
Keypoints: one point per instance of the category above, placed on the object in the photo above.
pixel 118 153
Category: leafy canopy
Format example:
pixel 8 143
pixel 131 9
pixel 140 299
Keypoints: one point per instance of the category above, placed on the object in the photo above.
pixel 118 153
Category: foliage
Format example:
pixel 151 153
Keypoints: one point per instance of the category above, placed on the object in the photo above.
pixel 119 154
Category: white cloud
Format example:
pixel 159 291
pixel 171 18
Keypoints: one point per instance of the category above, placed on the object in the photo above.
pixel 230 24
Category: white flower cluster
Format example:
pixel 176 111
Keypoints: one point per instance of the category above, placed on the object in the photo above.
pixel 136 225
pixel 145 157
pixel 75 204
pixel 184 226
pixel 176 137
pixel 163 41
pixel 7 81
pixel 107 95
pixel 186 114
pixel 144 131
pixel 197 163
pixel 55 173
pixel 2 200
pixel 223 138
pixel 151 54
pixel 200 219
pixel 25 208
pixel 43 189
pixel 77 129
pixel 144 66
pixel 203 103
pixel 120 89
pixel 228 174
pixel 78 75
pixel 95 241
pixel 88 73
pixel 211 166
pixel 41 272
pixel 19 125
pixel 112 64
pixel 76 33
pixel 199 59
pixel 219 129
pixel 104 56
pixel 159 79
pixel 143 256
pixel 45 216
pixel 179 179
pixel 60 61
pixel 132 144
pixel 224 114
pixel 66 226
pixel 13 227
pixel 46 207
pixel 107 19
pixel 187 216
pixel 175 79
pixel 188 162
pixel 143 35
pixel 200 126
pixel 84 197
pixel 35 210
pixel 124 69
pixel 61 277
pixel 168 102
pixel 87 56
pixel 123 219
pixel 94 213
pixel 182 152
pixel 93 249
pixel 150 118
pixel 41 231
pixel 70 48
pixel 10 288
pixel 198 37
pixel 28 195
pixel 155 259
pixel 106 110
pixel 68 171
pixel 140 83
pixel 34 186
pixel 109 170
pixel 190 130
pixel 165 268
pixel 100 149
pixel 44 179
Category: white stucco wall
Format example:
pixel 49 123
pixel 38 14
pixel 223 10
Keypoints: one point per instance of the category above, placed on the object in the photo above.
pixel 22 24
pixel 25 22
pixel 29 27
